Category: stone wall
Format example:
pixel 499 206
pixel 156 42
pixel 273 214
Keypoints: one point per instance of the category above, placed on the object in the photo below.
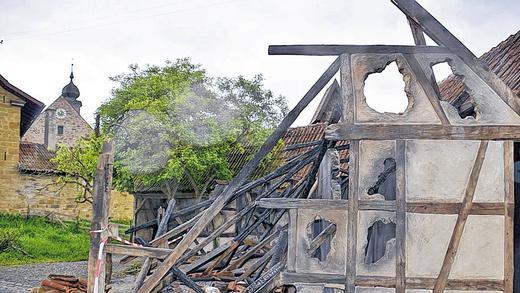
pixel 22 193
pixel 35 194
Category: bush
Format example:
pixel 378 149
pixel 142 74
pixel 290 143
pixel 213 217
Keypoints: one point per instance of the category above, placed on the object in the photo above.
pixel 9 239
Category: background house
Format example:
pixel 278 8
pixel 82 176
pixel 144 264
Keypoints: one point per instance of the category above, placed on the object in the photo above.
pixel 28 138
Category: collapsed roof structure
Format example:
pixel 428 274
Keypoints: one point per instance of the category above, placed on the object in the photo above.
pixel 428 189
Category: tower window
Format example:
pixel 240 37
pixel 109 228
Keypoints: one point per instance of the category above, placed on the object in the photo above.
pixel 60 130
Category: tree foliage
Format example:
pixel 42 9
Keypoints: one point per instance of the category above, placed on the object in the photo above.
pixel 173 122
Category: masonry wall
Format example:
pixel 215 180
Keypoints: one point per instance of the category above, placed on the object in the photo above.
pixel 23 193
pixel 74 126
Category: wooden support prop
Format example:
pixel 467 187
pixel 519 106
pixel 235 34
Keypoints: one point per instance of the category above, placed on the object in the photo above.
pixel 239 179
pixel 342 131
pixel 320 238
pixel 509 209
pixel 467 201
pixel 335 50
pixel 438 33
pixel 99 225
pixel 400 230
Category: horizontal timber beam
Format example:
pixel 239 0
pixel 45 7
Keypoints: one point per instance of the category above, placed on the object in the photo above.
pixel 334 50
pixel 492 208
pixel 152 252
pixel 289 278
pixel 427 131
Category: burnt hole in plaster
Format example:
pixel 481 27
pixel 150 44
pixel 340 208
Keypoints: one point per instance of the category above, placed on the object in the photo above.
pixel 385 184
pixel 384 90
pixel 454 90
pixel 320 233
pixel 378 236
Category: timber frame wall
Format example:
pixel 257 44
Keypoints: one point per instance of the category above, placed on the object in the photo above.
pixel 356 130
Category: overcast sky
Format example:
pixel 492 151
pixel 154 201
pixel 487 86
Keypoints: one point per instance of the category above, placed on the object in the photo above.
pixel 228 37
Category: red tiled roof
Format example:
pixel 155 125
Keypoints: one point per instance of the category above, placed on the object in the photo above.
pixel 503 60
pixel 35 157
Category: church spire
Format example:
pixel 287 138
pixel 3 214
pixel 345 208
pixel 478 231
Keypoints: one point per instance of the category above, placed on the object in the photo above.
pixel 70 91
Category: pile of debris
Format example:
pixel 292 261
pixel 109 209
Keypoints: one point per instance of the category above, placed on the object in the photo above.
pixel 62 283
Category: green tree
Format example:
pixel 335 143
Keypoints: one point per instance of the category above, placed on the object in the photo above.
pixel 78 165
pixel 173 121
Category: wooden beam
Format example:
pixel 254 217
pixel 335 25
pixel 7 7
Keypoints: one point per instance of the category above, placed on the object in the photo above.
pixel 320 238
pixel 300 203
pixel 443 208
pixel 509 209
pixel 289 278
pixel 100 211
pixel 400 229
pixel 353 206
pixel 239 179
pixel 427 131
pixel 428 87
pixel 335 50
pixel 438 33
pixel 456 236
pixel 417 33
pixel 152 252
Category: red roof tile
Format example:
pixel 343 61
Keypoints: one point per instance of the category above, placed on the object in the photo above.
pixel 503 60
pixel 35 157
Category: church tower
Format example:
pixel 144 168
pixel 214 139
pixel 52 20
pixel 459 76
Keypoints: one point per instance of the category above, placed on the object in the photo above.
pixel 61 123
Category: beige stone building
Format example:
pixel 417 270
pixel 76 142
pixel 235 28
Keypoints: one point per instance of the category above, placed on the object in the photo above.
pixel 28 138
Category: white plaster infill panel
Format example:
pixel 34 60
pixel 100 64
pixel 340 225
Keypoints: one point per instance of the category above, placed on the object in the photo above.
pixel 372 155
pixel 335 262
pixel 438 170
pixel 419 110
pixel 481 250
pixel 386 265
pixel 427 239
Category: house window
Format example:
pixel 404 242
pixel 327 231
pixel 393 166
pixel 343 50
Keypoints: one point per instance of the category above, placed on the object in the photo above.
pixel 60 130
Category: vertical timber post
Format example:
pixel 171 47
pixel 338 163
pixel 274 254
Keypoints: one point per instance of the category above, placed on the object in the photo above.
pixel 99 225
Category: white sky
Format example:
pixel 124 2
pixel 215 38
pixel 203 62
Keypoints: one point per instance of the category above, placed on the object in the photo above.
pixel 228 37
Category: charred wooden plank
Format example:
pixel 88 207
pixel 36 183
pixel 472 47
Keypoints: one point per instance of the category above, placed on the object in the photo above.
pixel 152 252
pixel 335 50
pixel 388 132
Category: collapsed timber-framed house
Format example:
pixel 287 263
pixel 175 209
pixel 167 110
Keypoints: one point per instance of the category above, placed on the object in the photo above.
pixel 430 198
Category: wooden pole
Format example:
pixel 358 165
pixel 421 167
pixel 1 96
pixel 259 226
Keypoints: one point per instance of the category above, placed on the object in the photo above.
pixel 99 224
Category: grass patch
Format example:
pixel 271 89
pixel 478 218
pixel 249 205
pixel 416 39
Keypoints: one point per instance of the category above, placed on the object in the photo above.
pixel 35 240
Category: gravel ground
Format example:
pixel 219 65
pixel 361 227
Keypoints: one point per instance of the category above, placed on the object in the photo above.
pixel 21 278
pixel 31 275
